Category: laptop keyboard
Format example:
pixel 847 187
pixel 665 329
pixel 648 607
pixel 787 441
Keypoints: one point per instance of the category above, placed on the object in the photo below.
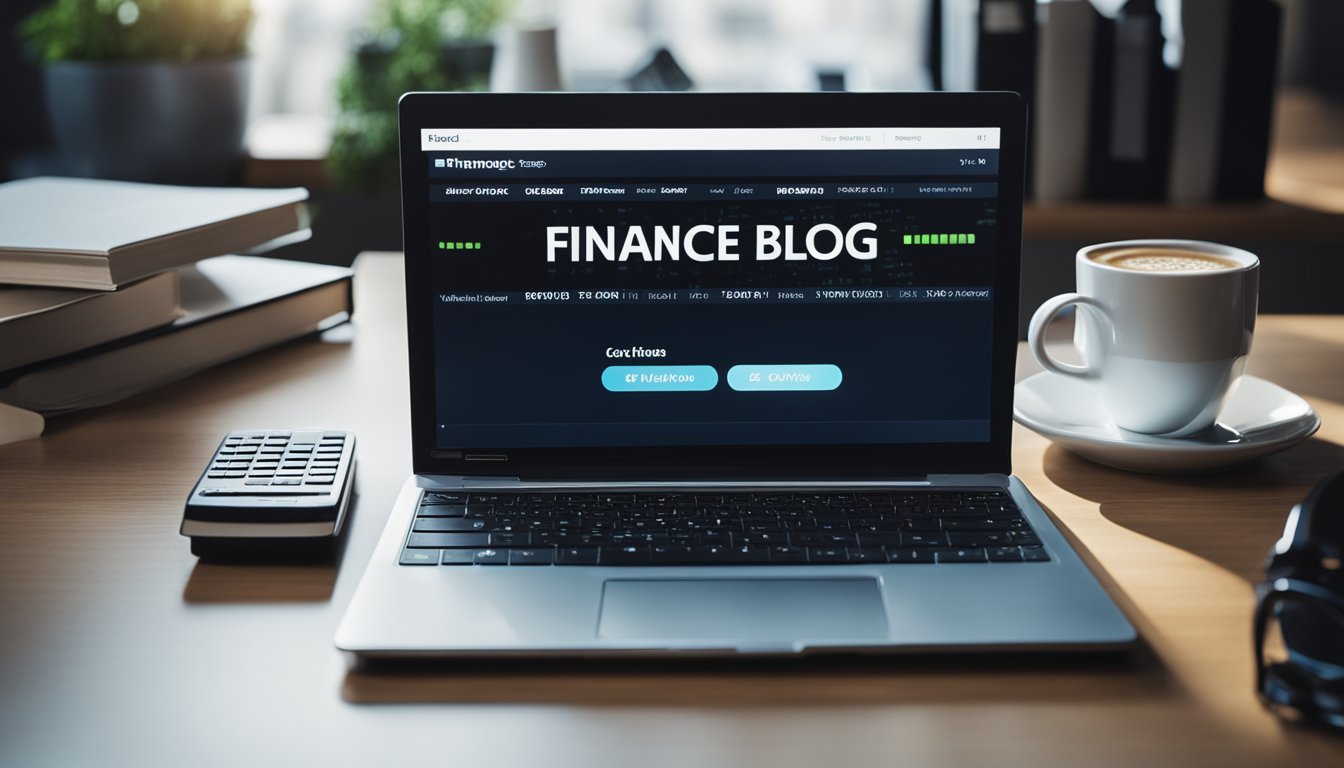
pixel 743 528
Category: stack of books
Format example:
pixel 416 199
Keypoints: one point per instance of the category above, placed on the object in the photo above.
pixel 110 288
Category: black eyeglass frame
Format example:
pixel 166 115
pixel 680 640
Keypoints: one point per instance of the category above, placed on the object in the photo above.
pixel 1305 702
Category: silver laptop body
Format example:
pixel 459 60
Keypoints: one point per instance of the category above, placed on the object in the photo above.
pixel 519 209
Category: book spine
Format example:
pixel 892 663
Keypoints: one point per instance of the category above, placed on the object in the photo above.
pixel 1067 42
pixel 1248 107
pixel 1201 90
pixel 959 23
pixel 1006 55
pixel 1132 104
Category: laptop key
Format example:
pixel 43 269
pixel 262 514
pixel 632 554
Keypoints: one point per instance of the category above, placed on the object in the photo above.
pixel 1004 554
pixel 981 539
pixel 787 554
pixel 492 557
pixel 459 524
pixel 750 554
pixel 420 557
pixel 905 555
pixel 764 538
pixel 531 556
pixel 671 554
pixel 997 523
pixel 1035 555
pixel 458 557
pixel 442 511
pixel 633 554
pixel 923 539
pixel 961 555
pixel 866 554
pixel 826 555
pixel 821 539
pixel 713 554
pixel 447 540
pixel 576 556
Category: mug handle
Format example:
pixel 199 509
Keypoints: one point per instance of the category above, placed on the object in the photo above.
pixel 1042 318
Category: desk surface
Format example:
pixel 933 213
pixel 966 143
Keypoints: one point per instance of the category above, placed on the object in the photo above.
pixel 117 648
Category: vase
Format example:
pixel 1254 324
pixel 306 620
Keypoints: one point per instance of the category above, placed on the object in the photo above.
pixel 165 122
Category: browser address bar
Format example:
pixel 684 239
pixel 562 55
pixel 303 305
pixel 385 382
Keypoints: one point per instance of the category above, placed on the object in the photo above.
pixel 646 139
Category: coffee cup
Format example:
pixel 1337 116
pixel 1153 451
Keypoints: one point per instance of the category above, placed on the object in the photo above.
pixel 1163 328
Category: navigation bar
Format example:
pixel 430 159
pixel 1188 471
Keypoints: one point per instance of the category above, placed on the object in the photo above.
pixel 622 191
pixel 822 295
pixel 675 139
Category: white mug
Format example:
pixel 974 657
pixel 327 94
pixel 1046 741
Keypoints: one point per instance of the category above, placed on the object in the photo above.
pixel 1165 349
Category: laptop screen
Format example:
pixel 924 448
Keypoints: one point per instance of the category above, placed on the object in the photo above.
pixel 613 287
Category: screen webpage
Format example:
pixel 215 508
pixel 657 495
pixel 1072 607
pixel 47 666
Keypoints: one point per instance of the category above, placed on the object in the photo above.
pixel 662 287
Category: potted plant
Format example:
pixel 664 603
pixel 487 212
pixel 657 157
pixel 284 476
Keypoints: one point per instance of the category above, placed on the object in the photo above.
pixel 411 45
pixel 146 90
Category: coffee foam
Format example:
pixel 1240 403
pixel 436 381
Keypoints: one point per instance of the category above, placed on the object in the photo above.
pixel 1162 260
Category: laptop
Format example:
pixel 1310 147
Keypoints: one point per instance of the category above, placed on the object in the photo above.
pixel 715 374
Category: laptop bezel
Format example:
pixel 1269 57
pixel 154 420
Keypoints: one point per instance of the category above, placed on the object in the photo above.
pixel 1005 111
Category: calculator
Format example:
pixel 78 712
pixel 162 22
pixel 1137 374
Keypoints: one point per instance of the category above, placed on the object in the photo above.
pixel 273 494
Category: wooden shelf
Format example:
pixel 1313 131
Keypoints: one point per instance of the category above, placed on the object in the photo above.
pixel 1258 220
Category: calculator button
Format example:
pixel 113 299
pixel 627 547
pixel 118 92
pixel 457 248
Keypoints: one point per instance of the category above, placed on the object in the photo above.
pixel 257 481
pixel 305 436
pixel 285 481
pixel 215 475
pixel 289 473
pixel 233 473
pixel 320 480
pixel 301 449
pixel 321 472
pixel 333 435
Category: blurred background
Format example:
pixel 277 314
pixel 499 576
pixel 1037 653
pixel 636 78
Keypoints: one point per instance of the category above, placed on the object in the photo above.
pixel 302 92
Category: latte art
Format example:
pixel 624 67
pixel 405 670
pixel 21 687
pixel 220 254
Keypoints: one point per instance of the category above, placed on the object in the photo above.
pixel 1162 260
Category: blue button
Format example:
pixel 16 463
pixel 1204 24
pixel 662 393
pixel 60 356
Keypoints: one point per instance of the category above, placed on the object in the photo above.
pixel 784 378
pixel 660 378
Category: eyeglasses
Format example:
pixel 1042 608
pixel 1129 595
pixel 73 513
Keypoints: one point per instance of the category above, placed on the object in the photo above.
pixel 1299 613
pixel 1299 649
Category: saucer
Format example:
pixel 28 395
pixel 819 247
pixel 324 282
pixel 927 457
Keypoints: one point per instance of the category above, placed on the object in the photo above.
pixel 1259 419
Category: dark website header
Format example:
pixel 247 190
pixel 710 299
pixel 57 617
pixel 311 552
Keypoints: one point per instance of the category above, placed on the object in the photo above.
pixel 711 164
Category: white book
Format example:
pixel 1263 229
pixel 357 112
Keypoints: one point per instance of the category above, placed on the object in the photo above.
pixel 1063 99
pixel 97 235
pixel 232 306
pixel 39 324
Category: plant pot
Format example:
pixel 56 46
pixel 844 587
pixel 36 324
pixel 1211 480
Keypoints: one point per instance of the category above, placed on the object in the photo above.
pixel 150 121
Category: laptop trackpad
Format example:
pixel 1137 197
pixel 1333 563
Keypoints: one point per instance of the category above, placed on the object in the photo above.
pixel 742 611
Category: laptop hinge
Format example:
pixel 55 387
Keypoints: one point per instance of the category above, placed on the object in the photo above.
pixel 989 478
pixel 944 480
pixel 459 481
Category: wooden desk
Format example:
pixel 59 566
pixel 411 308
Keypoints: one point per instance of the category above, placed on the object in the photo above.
pixel 117 648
